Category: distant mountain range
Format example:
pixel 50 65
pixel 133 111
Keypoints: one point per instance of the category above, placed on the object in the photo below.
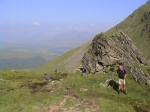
pixel 34 53
pixel 23 58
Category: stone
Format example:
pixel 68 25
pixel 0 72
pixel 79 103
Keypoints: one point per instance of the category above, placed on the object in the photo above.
pixel 106 52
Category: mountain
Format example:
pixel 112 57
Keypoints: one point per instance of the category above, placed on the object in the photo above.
pixel 26 91
pixel 128 43
pixel 136 27
pixel 107 51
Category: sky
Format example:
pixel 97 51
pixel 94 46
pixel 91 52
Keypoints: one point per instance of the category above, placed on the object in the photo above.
pixel 40 21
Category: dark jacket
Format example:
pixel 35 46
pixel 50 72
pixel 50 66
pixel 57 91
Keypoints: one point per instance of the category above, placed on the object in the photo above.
pixel 121 73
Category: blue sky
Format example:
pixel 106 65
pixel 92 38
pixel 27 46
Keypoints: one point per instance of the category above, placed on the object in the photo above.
pixel 23 20
pixel 66 11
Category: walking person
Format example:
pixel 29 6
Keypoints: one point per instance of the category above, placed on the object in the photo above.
pixel 122 76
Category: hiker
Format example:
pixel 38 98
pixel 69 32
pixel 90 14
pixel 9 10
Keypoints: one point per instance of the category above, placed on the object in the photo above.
pixel 122 76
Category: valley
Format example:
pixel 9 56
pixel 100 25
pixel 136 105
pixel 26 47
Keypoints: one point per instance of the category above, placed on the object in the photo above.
pixel 59 76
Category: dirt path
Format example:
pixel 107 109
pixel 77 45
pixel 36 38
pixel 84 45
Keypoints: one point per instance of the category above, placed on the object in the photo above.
pixel 73 104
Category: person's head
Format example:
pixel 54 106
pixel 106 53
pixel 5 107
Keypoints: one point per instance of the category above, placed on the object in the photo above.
pixel 120 65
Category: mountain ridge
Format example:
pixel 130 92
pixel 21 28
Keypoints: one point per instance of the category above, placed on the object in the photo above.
pixel 132 26
pixel 137 26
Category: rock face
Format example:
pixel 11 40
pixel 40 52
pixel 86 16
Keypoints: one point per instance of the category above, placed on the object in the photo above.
pixel 106 51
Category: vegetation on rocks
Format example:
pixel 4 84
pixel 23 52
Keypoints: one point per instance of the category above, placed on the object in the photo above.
pixel 108 52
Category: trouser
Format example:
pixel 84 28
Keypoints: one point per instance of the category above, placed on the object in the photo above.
pixel 122 85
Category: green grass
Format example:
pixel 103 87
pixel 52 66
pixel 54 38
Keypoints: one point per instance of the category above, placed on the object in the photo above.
pixel 133 27
pixel 56 63
pixel 16 96
pixel 107 98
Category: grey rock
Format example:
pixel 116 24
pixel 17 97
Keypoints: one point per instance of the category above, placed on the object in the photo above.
pixel 106 52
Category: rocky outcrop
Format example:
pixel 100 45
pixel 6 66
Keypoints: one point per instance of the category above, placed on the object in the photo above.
pixel 107 50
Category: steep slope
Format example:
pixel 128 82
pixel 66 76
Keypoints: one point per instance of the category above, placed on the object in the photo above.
pixel 106 52
pixel 137 27
pixel 68 62
pixel 116 46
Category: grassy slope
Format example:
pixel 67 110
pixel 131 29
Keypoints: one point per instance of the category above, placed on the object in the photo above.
pixel 67 62
pixel 15 96
pixel 133 27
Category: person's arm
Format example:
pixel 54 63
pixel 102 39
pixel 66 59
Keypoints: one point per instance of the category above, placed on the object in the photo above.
pixel 117 71
pixel 125 74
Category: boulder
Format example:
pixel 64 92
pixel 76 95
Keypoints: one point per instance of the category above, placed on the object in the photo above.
pixel 106 51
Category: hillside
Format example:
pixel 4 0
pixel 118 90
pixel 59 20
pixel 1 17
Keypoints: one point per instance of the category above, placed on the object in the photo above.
pixel 28 92
pixel 64 89
pixel 137 27
pixel 69 62
pixel 128 43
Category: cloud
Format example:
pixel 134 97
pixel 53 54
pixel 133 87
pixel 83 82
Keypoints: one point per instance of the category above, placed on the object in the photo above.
pixel 92 25
pixel 36 23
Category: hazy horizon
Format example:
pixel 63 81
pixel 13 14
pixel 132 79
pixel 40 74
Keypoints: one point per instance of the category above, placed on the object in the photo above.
pixel 39 23
pixel 32 32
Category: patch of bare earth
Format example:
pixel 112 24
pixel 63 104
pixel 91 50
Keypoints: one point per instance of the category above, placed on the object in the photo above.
pixel 73 104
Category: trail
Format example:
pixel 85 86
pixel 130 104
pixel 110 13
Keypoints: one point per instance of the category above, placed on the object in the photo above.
pixel 73 104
